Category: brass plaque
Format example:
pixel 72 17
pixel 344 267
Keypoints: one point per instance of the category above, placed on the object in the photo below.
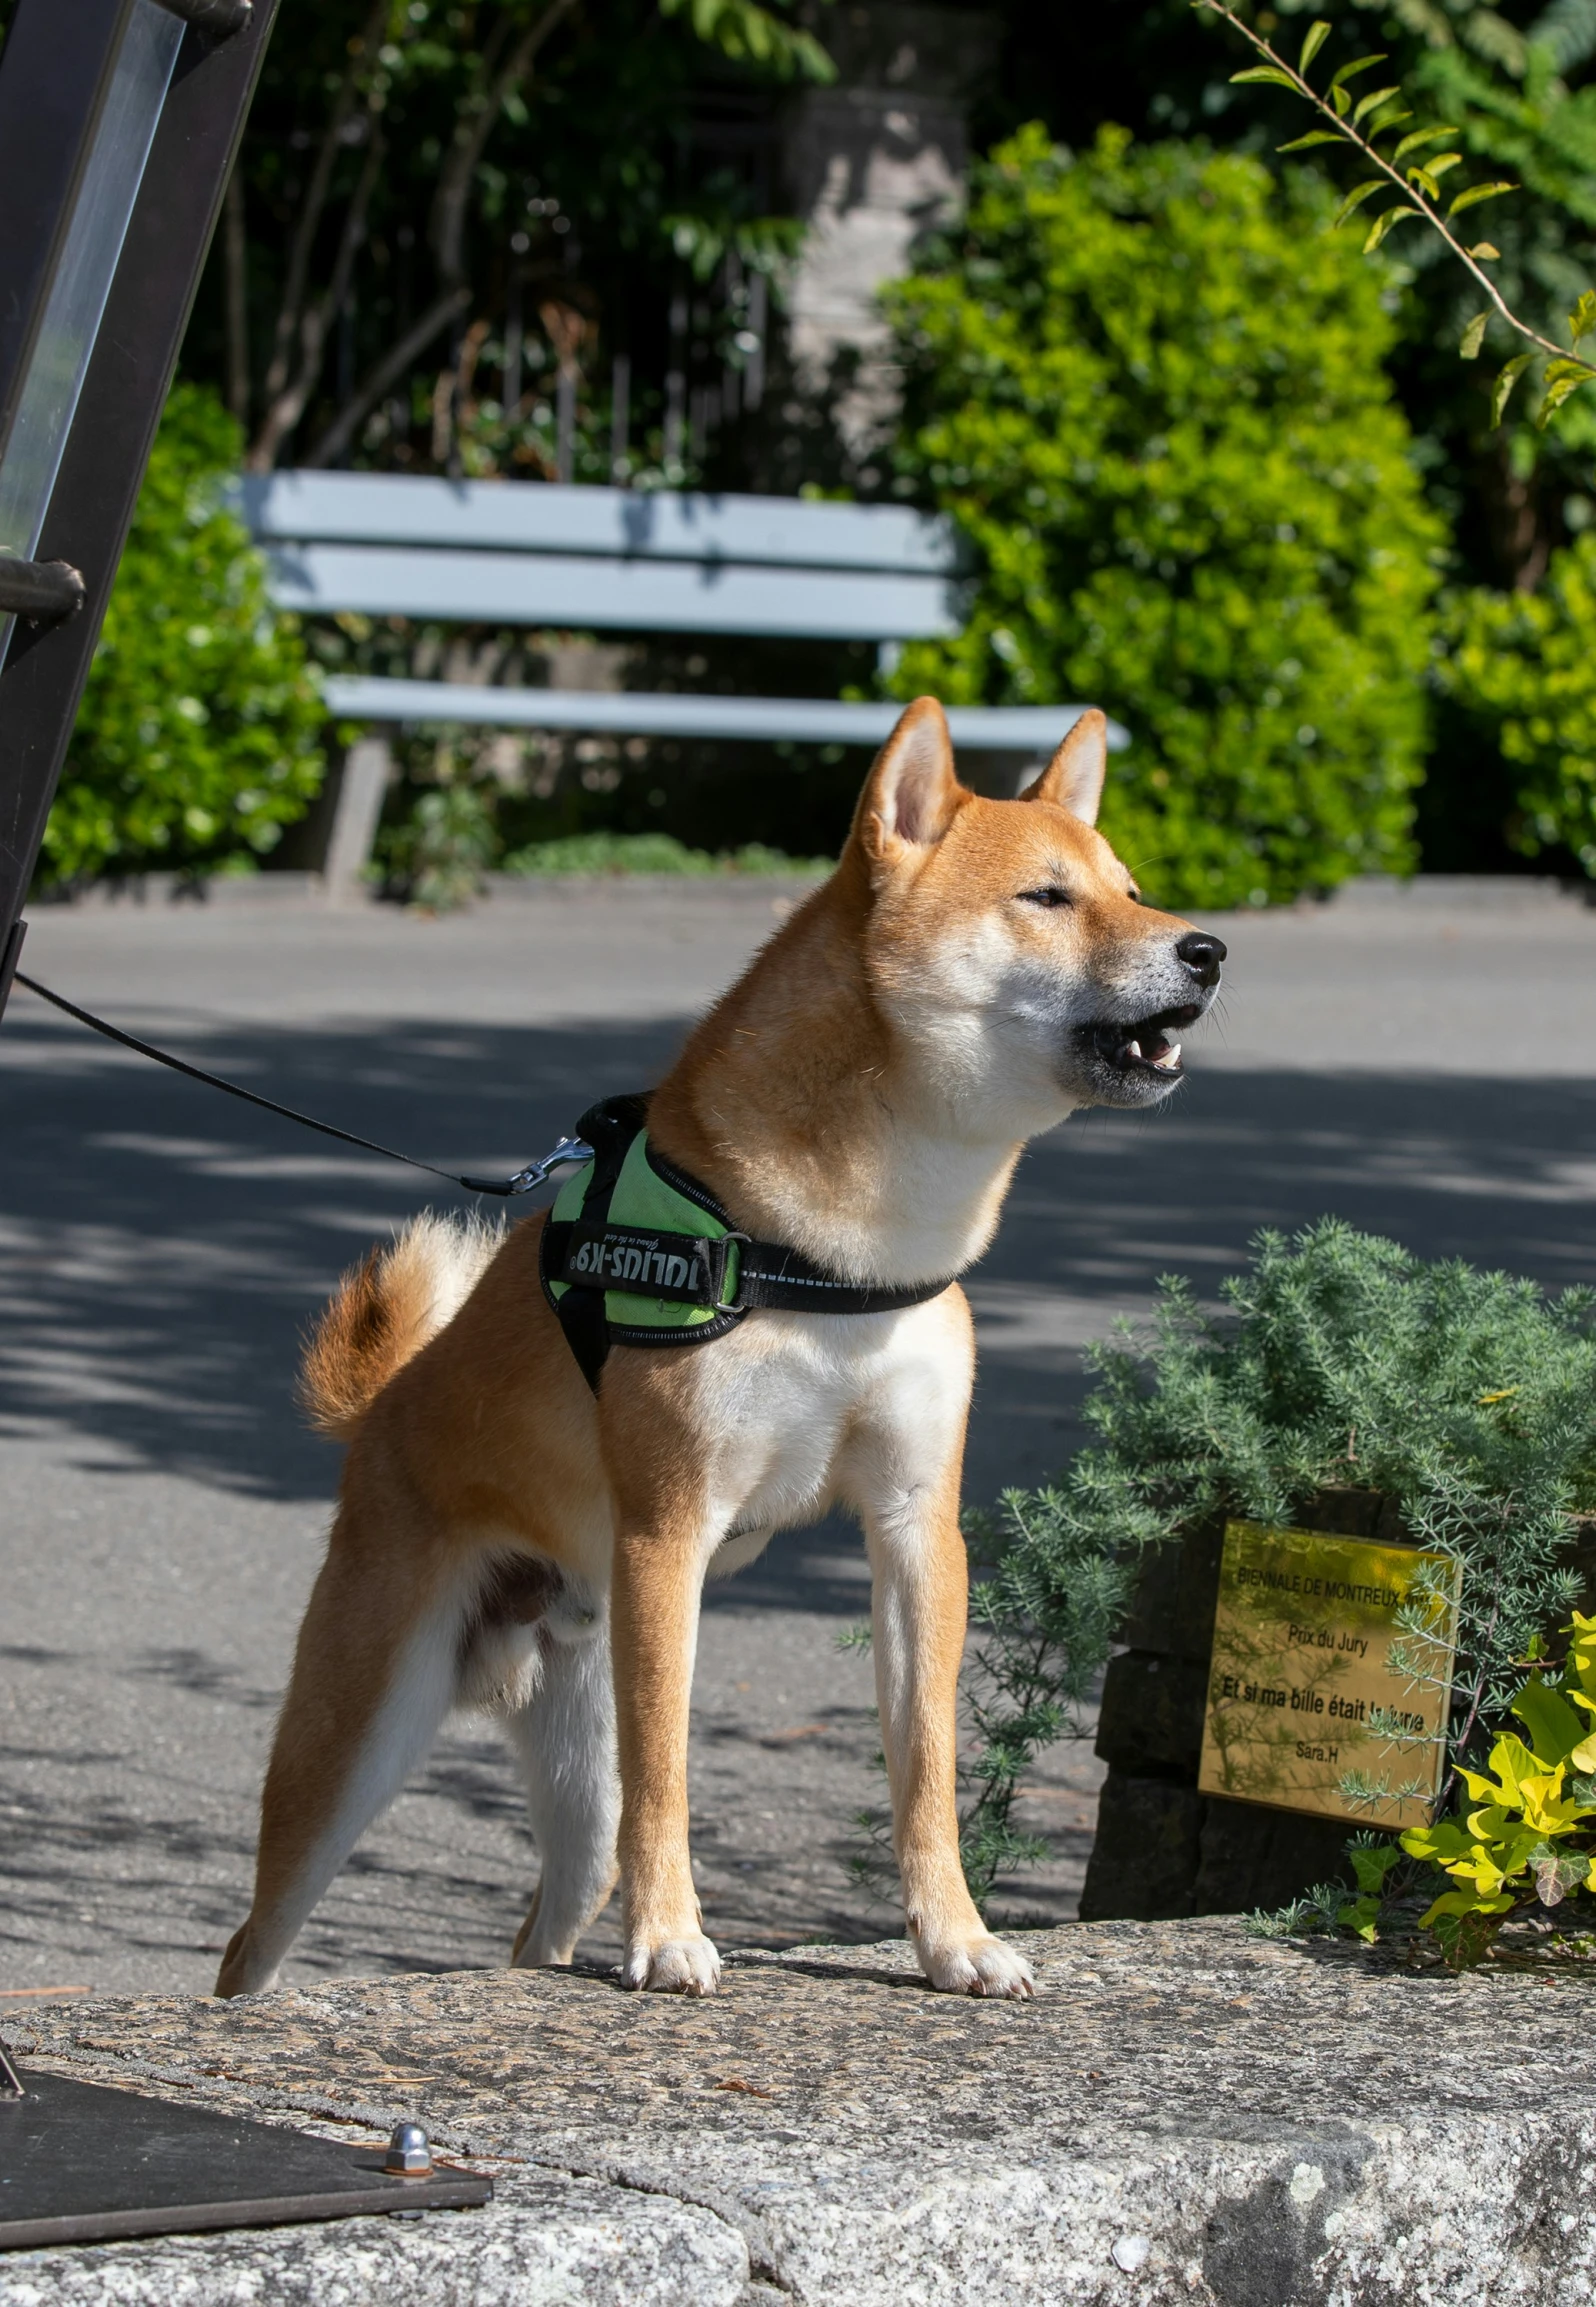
pixel 1302 1659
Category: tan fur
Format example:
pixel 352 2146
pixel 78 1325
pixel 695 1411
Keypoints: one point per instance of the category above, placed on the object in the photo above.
pixel 384 1311
pixel 861 1093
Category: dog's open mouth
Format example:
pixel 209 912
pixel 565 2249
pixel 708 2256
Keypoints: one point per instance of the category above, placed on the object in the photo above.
pixel 1148 1045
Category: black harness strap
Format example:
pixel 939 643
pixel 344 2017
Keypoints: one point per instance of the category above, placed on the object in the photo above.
pixel 594 1254
pixel 590 1255
pixel 609 1129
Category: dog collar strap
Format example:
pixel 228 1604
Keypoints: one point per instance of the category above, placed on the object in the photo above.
pixel 636 1252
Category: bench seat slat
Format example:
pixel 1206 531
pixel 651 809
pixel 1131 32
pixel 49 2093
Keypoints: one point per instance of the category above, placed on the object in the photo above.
pixel 576 591
pixel 1030 730
pixel 636 524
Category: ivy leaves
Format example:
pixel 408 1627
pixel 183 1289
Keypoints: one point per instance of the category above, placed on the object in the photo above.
pixel 1416 176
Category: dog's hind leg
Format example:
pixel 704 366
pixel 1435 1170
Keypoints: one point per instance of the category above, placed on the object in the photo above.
pixel 564 1739
pixel 374 1674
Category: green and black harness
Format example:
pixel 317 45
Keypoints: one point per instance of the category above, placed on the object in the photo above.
pixel 637 1253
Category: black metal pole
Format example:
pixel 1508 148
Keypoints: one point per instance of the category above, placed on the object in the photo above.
pixel 52 93
pixel 102 469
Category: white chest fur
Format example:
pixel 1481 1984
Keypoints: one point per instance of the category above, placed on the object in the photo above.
pixel 802 1411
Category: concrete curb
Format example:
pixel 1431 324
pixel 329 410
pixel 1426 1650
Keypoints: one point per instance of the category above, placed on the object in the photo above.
pixel 1185 2114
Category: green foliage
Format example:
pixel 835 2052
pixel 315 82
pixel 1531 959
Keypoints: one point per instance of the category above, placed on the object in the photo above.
pixel 1149 387
pixel 1523 667
pixel 1046 1613
pixel 198 737
pixel 652 853
pixel 423 182
pixel 1464 1396
pixel 436 856
pixel 747 33
pixel 1414 173
pixel 1527 1829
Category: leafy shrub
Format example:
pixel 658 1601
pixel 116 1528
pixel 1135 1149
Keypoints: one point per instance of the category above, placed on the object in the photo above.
pixel 197 740
pixel 1527 1830
pixel 1523 667
pixel 436 856
pixel 652 853
pixel 1466 1397
pixel 1149 386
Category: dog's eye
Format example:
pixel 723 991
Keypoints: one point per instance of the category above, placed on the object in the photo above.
pixel 1045 897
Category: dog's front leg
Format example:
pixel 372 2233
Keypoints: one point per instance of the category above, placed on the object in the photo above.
pixel 658 1580
pixel 919 1608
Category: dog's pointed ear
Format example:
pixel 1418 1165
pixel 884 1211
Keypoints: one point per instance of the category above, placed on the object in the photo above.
pixel 1074 776
pixel 912 794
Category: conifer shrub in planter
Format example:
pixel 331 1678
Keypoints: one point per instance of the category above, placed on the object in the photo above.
pixel 1149 387
pixel 1465 1399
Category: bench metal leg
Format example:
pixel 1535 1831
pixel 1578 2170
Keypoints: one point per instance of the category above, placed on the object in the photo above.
pixel 362 784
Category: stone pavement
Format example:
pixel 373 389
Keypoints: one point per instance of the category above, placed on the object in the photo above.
pixel 1420 1066
pixel 1184 2114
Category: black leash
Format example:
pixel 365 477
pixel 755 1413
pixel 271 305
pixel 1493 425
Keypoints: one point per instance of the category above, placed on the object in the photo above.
pixel 568 1150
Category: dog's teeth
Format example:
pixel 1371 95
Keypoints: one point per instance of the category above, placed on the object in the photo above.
pixel 1169 1055
pixel 1133 1049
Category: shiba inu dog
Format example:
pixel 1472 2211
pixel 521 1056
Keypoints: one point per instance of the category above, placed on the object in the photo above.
pixel 508 1536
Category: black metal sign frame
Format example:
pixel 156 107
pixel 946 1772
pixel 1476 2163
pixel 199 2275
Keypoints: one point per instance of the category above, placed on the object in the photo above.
pixel 52 97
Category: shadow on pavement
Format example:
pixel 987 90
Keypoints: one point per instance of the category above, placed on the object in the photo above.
pixel 165 1248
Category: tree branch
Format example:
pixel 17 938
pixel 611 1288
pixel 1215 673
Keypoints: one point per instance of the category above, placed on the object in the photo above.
pixel 315 202
pixel 1412 194
pixel 446 229
pixel 289 405
pixel 393 364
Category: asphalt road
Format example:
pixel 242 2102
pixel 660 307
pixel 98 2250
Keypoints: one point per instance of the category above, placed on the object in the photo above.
pixel 1422 1068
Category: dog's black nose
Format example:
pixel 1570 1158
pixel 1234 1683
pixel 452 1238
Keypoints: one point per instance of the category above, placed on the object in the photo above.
pixel 1202 955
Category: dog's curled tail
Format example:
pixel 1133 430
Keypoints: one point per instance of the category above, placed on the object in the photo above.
pixel 385 1310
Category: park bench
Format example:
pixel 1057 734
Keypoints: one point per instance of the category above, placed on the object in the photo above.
pixel 605 560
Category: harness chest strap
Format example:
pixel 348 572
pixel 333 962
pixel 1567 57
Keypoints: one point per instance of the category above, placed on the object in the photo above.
pixel 636 1252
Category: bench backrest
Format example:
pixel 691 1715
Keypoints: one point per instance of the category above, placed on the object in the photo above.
pixel 531 553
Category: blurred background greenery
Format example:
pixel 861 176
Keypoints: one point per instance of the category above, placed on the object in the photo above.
pixel 1222 475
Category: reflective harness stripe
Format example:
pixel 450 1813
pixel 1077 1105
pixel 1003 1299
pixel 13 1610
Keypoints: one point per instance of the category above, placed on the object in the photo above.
pixel 636 1252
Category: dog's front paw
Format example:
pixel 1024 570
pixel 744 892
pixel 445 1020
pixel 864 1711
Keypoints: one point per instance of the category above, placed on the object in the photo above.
pixel 983 1966
pixel 681 1966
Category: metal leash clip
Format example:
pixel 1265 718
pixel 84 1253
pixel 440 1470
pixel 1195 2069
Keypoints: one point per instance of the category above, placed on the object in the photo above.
pixel 569 1153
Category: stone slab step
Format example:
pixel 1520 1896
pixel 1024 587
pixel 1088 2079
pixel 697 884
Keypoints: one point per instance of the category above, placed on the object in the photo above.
pixel 1184 2114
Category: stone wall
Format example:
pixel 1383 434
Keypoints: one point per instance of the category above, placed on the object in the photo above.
pixel 873 161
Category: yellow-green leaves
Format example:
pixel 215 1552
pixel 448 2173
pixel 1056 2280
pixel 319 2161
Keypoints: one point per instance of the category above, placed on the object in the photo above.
pixel 1557 1731
pixel 1562 378
pixel 1318 34
pixel 1382 225
pixel 1417 141
pixel 1473 336
pixel 1356 198
pixel 1362 121
pixel 1271 72
pixel 1351 71
pixel 1425 175
pixel 1522 1810
pixel 1476 193
pixel 1507 378
pixel 1582 320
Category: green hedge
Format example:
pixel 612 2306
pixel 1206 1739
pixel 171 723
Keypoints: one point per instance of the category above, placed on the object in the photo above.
pixel 198 737
pixel 1148 384
pixel 1522 667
